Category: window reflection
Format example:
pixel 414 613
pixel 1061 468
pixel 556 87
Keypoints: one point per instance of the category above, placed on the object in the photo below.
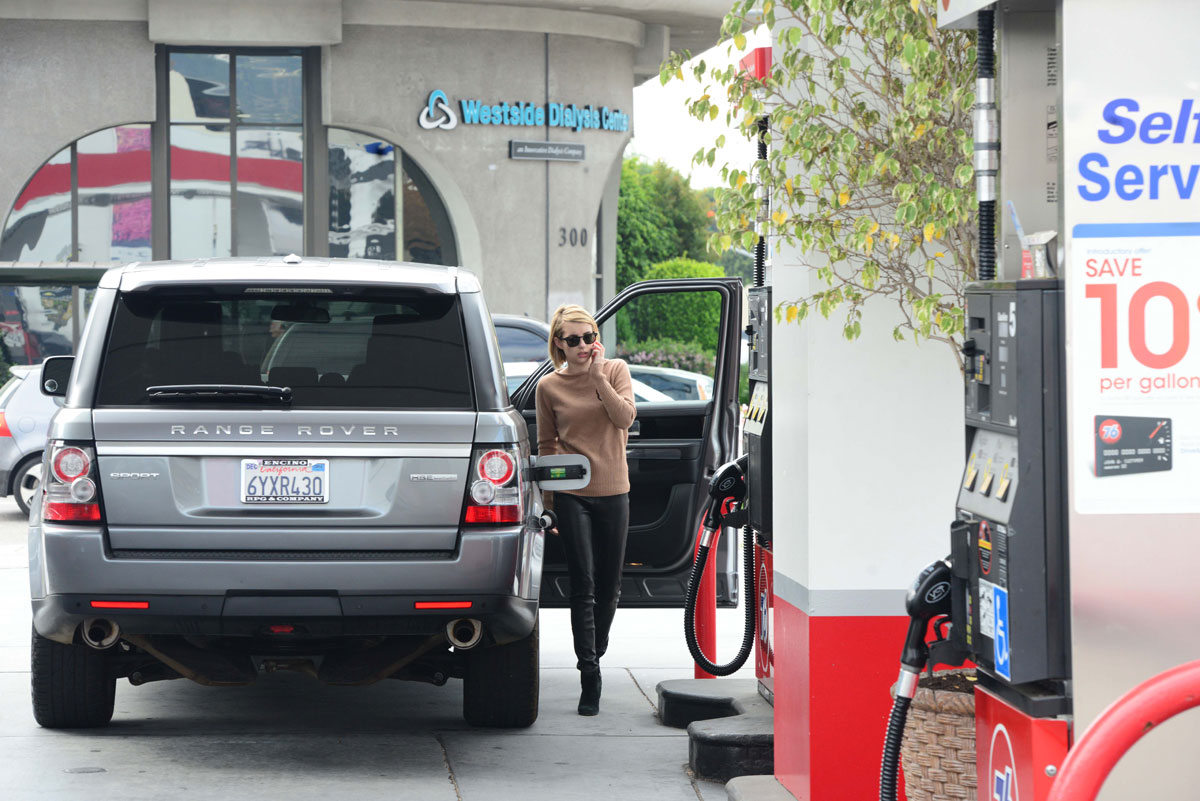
pixel 200 207
pixel 270 191
pixel 428 236
pixel 114 194
pixel 37 321
pixel 269 89
pixel 364 214
pixel 198 87
pixel 39 226
pixel 362 196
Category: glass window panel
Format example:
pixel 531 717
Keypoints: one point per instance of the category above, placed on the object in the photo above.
pixel 35 322
pixel 270 89
pixel 114 194
pixel 669 340
pixel 519 345
pixel 200 208
pixel 39 226
pixel 270 191
pixel 362 196
pixel 359 347
pixel 198 87
pixel 428 235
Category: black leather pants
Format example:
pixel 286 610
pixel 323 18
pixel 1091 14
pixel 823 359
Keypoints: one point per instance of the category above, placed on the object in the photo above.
pixel 594 531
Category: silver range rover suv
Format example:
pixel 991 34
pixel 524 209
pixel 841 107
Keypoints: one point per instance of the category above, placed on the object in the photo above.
pixel 287 464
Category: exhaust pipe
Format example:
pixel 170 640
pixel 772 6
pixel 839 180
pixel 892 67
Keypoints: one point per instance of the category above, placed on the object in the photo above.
pixel 100 633
pixel 464 633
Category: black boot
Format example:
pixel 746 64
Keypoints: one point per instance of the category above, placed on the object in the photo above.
pixel 589 699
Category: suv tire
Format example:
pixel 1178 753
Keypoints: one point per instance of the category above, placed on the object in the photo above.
pixel 500 689
pixel 72 685
pixel 27 480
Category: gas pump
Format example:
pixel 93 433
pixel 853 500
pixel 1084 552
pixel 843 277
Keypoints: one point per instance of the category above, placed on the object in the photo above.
pixel 756 440
pixel 740 494
pixel 1008 546
pixel 1007 594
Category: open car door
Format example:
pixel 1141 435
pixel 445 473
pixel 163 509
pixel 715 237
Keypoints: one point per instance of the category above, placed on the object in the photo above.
pixel 682 341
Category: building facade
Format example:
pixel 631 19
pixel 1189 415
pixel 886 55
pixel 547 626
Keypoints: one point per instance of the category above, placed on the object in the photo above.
pixel 475 133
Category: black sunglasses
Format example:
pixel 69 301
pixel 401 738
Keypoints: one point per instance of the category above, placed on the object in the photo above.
pixel 588 338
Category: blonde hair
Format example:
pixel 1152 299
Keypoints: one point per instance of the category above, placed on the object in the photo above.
pixel 567 313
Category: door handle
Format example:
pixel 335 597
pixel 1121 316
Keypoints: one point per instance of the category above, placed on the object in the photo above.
pixel 635 430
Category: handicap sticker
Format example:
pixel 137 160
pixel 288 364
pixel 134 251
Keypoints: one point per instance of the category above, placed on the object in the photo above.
pixel 1002 656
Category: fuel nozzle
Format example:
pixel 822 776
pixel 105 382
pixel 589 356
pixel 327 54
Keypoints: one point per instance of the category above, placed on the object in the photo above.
pixel 728 485
pixel 929 597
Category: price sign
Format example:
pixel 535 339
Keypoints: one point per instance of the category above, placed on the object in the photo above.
pixel 1132 182
pixel 1136 366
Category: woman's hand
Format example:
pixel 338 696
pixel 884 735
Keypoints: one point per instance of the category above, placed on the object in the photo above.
pixel 596 361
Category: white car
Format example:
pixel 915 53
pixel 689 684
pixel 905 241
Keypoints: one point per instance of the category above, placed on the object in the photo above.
pixel 676 384
pixel 517 372
pixel 523 346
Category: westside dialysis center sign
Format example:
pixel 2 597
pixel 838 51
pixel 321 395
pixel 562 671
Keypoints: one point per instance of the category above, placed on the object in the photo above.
pixel 1132 178
pixel 439 112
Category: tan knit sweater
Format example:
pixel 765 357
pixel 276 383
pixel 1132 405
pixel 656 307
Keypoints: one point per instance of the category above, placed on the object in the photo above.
pixel 575 415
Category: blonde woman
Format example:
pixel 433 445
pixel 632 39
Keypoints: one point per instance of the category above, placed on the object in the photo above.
pixel 586 407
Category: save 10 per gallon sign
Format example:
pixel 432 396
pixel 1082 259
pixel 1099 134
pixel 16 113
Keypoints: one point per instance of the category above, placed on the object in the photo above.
pixel 1133 178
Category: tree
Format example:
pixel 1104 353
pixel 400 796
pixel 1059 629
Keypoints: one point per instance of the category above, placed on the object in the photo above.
pixel 870 157
pixel 684 207
pixel 659 217
pixel 693 317
pixel 642 236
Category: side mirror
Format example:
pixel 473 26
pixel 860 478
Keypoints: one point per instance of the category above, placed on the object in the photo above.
pixel 566 471
pixel 56 375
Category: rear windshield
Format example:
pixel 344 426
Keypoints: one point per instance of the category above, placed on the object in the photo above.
pixel 364 347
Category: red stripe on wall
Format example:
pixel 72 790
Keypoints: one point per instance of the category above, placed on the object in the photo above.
pixel 832 680
pixel 99 170
pixel 192 165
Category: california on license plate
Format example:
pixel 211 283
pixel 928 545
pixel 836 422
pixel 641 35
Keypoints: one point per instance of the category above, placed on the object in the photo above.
pixel 285 481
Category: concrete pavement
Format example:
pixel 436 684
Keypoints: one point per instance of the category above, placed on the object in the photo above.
pixel 288 736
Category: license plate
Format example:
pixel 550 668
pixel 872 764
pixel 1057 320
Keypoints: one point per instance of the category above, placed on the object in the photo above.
pixel 285 481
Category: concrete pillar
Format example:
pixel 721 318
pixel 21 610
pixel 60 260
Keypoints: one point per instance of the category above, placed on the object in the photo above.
pixel 868 448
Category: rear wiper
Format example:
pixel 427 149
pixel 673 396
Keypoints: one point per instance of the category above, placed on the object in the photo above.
pixel 213 391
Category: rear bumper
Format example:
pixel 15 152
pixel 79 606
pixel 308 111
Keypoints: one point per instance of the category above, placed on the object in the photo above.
pixel 505 618
pixel 497 570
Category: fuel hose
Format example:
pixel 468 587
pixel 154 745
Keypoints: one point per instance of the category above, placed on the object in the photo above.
pixel 707 541
pixel 889 771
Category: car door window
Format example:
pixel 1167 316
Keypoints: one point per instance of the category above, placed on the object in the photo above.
pixel 669 341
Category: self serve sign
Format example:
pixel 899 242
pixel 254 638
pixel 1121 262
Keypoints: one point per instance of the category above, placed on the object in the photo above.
pixel 1123 121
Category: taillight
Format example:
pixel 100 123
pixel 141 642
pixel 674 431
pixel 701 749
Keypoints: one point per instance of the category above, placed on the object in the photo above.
pixel 494 495
pixel 70 494
pixel 4 432
pixel 70 463
pixel 497 467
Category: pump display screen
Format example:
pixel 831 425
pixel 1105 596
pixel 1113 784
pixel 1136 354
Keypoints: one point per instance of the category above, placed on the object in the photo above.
pixel 1126 445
